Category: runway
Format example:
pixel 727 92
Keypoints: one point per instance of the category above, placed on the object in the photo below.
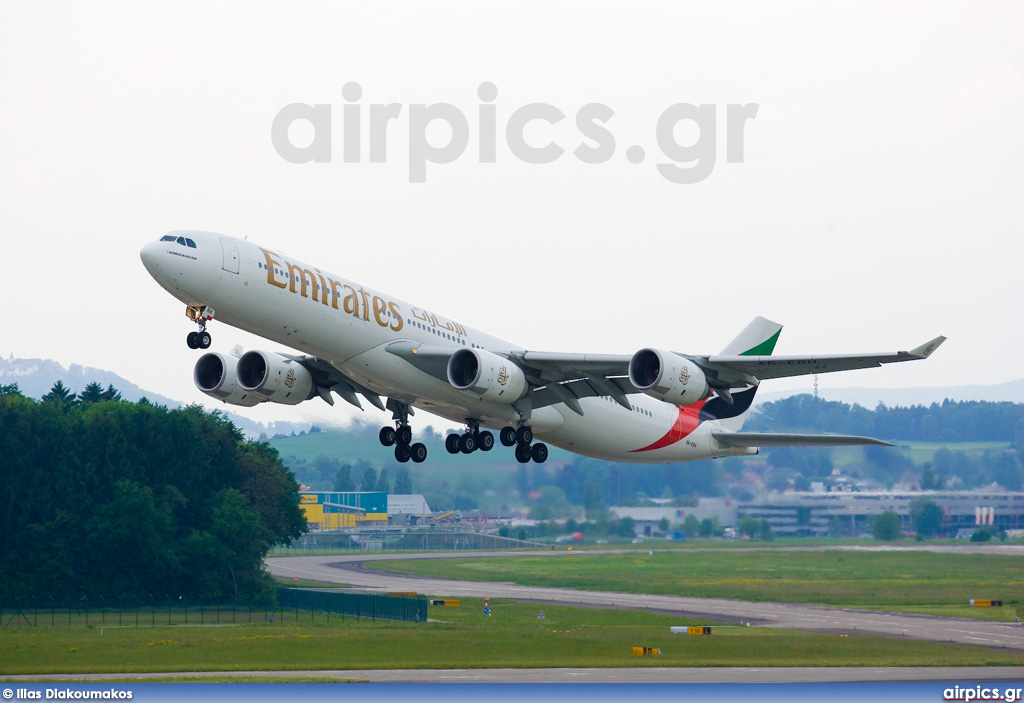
pixel 790 616
pixel 802 674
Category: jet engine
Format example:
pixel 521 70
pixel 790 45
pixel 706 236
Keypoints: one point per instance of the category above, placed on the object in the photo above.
pixel 275 377
pixel 668 376
pixel 215 375
pixel 490 377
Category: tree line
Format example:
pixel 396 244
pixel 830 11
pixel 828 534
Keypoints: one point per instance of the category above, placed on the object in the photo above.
pixel 107 499
pixel 948 421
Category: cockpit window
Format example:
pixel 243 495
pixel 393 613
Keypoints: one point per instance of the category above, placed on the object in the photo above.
pixel 183 241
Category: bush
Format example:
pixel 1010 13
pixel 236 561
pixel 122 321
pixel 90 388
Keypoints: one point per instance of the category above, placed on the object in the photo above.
pixel 982 534
pixel 887 526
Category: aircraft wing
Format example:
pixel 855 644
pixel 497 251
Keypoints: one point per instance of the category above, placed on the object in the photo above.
pixel 735 368
pixel 558 377
pixel 328 377
pixel 727 370
pixel 785 439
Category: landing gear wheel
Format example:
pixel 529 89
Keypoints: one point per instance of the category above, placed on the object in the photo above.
pixel 402 453
pixel 204 340
pixel 523 454
pixel 485 441
pixel 387 436
pixel 524 435
pixel 539 453
pixel 507 435
pixel 451 443
pixel 403 435
pixel 418 452
pixel 192 340
pixel 467 443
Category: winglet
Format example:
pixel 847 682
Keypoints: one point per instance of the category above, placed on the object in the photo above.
pixel 926 349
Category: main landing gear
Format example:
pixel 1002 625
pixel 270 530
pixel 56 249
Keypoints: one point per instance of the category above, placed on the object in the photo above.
pixel 522 437
pixel 200 315
pixel 401 435
pixel 469 442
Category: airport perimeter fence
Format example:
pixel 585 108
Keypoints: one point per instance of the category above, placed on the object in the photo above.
pixel 368 542
pixel 379 605
pixel 286 611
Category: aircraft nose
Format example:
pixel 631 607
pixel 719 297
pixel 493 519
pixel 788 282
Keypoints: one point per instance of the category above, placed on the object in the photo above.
pixel 150 256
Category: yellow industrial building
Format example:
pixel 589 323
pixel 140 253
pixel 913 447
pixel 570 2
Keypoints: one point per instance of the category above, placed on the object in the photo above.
pixel 335 510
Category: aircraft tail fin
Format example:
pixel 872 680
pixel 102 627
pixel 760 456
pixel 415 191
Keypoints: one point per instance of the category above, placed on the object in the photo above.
pixel 757 339
pixel 730 407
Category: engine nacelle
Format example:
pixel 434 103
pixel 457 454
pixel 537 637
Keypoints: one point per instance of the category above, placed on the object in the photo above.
pixel 215 375
pixel 484 374
pixel 275 377
pixel 668 376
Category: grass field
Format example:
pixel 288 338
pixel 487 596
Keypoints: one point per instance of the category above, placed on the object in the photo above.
pixel 939 584
pixel 460 637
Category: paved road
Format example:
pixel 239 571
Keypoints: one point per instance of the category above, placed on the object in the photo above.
pixel 348 570
pixel 838 674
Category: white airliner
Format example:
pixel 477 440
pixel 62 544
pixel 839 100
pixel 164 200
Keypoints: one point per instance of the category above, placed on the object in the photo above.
pixel 655 406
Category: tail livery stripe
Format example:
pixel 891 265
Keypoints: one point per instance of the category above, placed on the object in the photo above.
pixel 686 422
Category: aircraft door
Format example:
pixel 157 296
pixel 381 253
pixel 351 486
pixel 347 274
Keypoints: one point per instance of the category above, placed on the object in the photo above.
pixel 230 248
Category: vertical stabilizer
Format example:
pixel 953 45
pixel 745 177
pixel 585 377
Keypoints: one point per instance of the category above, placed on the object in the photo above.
pixel 757 339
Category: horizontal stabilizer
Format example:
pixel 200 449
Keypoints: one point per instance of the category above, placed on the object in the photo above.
pixel 786 439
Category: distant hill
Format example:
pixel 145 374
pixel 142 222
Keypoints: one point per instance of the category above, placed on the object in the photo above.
pixel 1011 391
pixel 35 378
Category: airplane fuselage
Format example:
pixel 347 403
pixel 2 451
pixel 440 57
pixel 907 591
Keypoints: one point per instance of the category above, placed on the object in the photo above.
pixel 348 324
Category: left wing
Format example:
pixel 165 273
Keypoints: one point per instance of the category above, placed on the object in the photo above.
pixel 556 377
pixel 583 375
pixel 733 368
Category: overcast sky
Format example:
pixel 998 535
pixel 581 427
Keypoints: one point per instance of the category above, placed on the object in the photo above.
pixel 878 203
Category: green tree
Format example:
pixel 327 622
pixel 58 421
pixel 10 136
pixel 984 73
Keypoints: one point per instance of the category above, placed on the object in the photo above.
pixel 369 481
pixel 707 527
pixel 982 534
pixel 93 393
pixel 749 526
pixel 663 524
pixel 926 516
pixel 626 527
pixel 554 499
pixel 403 482
pixel 111 503
pixel 887 526
pixel 383 484
pixel 593 498
pixel 343 479
pixel 111 393
pixel 691 526
pixel 61 395
pixel 929 481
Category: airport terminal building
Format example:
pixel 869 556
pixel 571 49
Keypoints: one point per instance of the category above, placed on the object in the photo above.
pixel 817 513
